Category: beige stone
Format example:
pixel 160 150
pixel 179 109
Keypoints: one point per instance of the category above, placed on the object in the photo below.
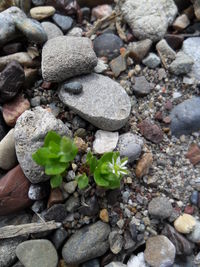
pixel 181 22
pixel 104 216
pixel 42 12
pixel 143 165
pixel 185 223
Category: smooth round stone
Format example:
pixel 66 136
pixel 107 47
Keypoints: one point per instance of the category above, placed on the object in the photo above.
pixel 42 12
pixel 73 87
pixel 32 29
pixel 37 192
pixel 51 30
pixel 194 198
pixel 185 223
pixel 160 207
pixel 194 236
pixel 64 22
pixel 108 45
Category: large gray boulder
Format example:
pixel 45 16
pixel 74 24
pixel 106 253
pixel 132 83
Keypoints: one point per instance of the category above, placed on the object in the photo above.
pixel 103 102
pixel 30 131
pixel 149 19
pixel 64 57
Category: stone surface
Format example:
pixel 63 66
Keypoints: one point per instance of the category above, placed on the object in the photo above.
pixel 138 50
pixel 58 237
pixel 38 191
pixel 193 154
pixel 115 264
pixel 118 65
pixel 51 30
pixel 108 45
pixel 35 253
pixel 182 64
pixel 185 117
pixel 64 22
pixel 76 32
pixel 105 141
pixel 91 207
pixel 92 3
pixel 13 109
pixel 74 87
pixel 152 61
pixel 185 223
pixel 101 11
pixel 141 86
pixel 8 157
pixel 194 236
pixel 143 165
pixel 160 207
pixel 14 191
pixel 55 197
pixel 11 80
pixel 181 22
pixel 89 242
pixel 174 40
pixel 91 263
pixel 104 103
pixel 116 242
pixel 30 131
pixel 149 19
pixel 65 56
pixel 104 216
pixel 159 251
pixel 151 131
pixel 130 145
pixel 137 261
pixel 166 53
pixel 42 12
pixel 57 213
pixel 3 127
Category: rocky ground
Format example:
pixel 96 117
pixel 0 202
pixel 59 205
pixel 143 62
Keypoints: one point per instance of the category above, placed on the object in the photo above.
pixel 115 76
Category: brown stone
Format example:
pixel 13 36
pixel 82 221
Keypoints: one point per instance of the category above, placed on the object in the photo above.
pixel 55 197
pixel 104 216
pixel 14 188
pixel 181 22
pixel 30 76
pixel 12 110
pixel 81 144
pixel 193 154
pixel 118 65
pixel 151 131
pixel 101 11
pixel 143 165
pixel 175 41
pixel 138 50
pixel 189 210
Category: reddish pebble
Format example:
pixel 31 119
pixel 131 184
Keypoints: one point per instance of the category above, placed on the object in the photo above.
pixel 55 197
pixel 151 131
pixel 168 105
pixel 167 120
pixel 193 154
pixel 189 210
pixel 46 85
pixel 159 116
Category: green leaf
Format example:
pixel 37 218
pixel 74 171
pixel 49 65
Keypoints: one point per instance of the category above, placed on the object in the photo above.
pixel 54 168
pixel 99 179
pixel 56 181
pixel 54 148
pixel 66 145
pixel 82 181
pixel 42 155
pixel 52 136
pixel 91 161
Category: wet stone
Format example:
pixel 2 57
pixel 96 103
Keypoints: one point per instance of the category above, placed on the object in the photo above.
pixel 72 87
pixel 64 22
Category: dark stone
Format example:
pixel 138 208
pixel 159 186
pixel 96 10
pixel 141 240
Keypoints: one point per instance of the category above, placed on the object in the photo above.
pixel 193 28
pixel 38 2
pixel 15 219
pixel 58 237
pixel 66 7
pixel 64 22
pixel 73 87
pixel 133 231
pixel 182 4
pixel 11 80
pixel 142 87
pixel 12 48
pixel 3 127
pixel 174 40
pixel 38 206
pixel 92 3
pixel 151 131
pixel 113 196
pixel 57 213
pixel 18 264
pixel 91 263
pixel 86 13
pixel 108 45
pixel 91 208
pixel 37 191
pixel 194 198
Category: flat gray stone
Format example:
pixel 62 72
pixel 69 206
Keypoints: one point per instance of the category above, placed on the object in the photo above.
pixel 149 19
pixel 103 102
pixel 88 243
pixel 35 253
pixel 51 30
pixel 160 207
pixel 182 64
pixel 64 57
pixel 152 61
pixel 30 131
pixel 105 141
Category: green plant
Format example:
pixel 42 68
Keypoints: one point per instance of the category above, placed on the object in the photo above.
pixel 107 171
pixel 55 156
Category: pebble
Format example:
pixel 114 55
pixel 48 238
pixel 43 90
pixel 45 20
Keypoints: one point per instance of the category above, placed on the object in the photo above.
pixel 104 216
pixel 91 207
pixel 42 12
pixel 65 56
pixel 91 263
pixel 35 253
pixel 75 88
pixel 118 65
pixel 72 204
pixel 57 213
pixel 101 66
pixel 116 264
pixel 165 51
pixel 38 2
pixel 143 165
pixel 116 242
pixel 194 198
pixel 89 242
pixel 70 187
pixel 55 197
pixel 138 50
pixel 159 251
pixel 107 45
pixel 137 261
pixel 141 87
pixel 95 105
pixel 37 191
pixel 76 32
pixel 64 22
pixel 194 236
pixel 152 61
pixel 105 141
pixel 52 31
pixel 193 154
pixel 30 130
pixel 160 207
pixel 182 64
pixel 8 158
pixel 58 237
pixel 130 145
pixel 151 131
pixel 101 11
pixel 181 22
pixel 79 142
pixel 185 223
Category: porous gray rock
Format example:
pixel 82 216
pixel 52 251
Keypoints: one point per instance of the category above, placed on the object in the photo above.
pixel 30 131
pixel 103 102
pixel 64 57
pixel 51 30
pixel 160 207
pixel 182 64
pixel 149 19
pixel 89 242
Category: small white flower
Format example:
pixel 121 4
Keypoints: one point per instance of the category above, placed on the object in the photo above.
pixel 117 167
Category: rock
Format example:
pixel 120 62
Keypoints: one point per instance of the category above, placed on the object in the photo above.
pixel 38 2
pixel 3 127
pixel 115 264
pixel 12 48
pixel 194 236
pixel 142 87
pixel 101 11
pixel 95 105
pixel 52 31
pixel 185 117
pixel 193 154
pixel 70 187
pixel 13 109
pixel 18 264
pixel 57 213
pixel 8 158
pixel 76 32
pixel 35 253
pixel 92 3
pixel 89 242
pixel 11 80
pixel 64 22
pixel 196 5
pixel 58 237
pixel 101 66
pixel 149 20
pixel 38 206
pixel 118 65
pixel 185 223
pixel 138 50
pixel 137 261
pixel 159 251
pixel 32 29
pixel 143 165
pixel 130 145
pixel 151 131
pixel 116 242
pixel 181 22
pixel 104 216
pixel 182 245
pixel 90 208
pixel 174 40
pixel 160 207
pixel 55 197
pixel 81 144
pixel 42 12
pixel 72 56
pixel 166 53
pixel 105 141
pixel 30 130
pixel 37 191
pixel 152 61
pixel 72 204
pixel 182 64
pixel 107 45
pixel 73 88
pixel 91 263
pixel 194 198
pixel 14 191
